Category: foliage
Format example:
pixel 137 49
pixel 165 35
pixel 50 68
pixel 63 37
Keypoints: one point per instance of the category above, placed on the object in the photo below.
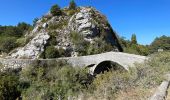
pixel 138 81
pixel 99 46
pixel 133 47
pixel 162 42
pixel 15 31
pixel 51 52
pixel 133 39
pixel 9 86
pixel 21 41
pixel 55 10
pixel 83 47
pixel 7 44
pixel 52 81
pixel 59 25
pixel 44 80
pixel 13 36
pixel 72 5
pixel 35 21
pixel 23 27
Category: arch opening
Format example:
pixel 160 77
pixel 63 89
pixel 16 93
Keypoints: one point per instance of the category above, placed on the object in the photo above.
pixel 107 66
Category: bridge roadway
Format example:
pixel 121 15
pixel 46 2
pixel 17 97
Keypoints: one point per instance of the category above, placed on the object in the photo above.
pixel 123 59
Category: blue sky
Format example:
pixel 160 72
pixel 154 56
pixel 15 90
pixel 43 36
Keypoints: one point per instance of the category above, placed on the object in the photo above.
pixel 148 19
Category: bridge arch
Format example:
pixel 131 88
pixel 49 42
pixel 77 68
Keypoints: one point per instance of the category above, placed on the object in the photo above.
pixel 106 66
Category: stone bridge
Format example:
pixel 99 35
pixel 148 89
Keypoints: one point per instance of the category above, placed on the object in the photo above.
pixel 96 63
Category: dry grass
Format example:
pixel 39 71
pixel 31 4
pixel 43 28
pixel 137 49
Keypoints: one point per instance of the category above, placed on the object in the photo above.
pixel 135 94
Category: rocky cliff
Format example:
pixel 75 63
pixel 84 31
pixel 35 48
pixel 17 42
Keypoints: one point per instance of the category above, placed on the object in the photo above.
pixel 65 32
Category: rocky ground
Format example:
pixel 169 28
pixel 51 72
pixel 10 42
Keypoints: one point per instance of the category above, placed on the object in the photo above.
pixel 86 21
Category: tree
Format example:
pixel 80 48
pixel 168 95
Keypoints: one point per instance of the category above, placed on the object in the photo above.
pixel 7 44
pixel 133 39
pixel 72 5
pixel 23 27
pixel 55 10
pixel 51 52
pixel 9 84
pixel 162 42
pixel 12 31
pixel 35 21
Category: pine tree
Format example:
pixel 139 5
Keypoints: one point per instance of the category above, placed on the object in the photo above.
pixel 55 10
pixel 72 5
pixel 133 39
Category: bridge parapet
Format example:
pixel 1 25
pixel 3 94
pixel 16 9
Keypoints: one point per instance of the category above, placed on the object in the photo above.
pixel 123 59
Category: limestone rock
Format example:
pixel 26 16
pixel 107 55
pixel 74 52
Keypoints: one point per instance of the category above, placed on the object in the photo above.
pixel 33 48
pixel 87 21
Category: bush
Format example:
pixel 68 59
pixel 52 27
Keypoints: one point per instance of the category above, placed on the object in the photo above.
pixel 52 81
pixel 137 83
pixel 162 42
pixel 71 12
pixel 84 47
pixel 51 52
pixel 7 44
pixel 55 10
pixel 133 47
pixel 9 86
pixel 59 25
pixel 21 41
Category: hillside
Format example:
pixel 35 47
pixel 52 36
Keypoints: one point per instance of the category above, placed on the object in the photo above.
pixel 74 54
pixel 82 31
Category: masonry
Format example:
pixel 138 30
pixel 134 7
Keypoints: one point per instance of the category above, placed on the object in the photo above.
pixel 123 59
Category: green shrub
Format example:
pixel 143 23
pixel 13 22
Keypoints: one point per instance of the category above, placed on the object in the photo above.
pixel 71 12
pixel 21 41
pixel 141 79
pixel 44 80
pixel 7 44
pixel 53 34
pixel 9 86
pixel 132 46
pixel 52 81
pixel 61 24
pixel 162 42
pixel 85 48
pixel 51 52
pixel 55 10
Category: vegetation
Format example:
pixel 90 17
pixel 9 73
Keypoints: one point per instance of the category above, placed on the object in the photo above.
pixel 83 47
pixel 12 36
pixel 9 86
pixel 162 42
pixel 43 81
pixel 72 5
pixel 35 21
pixel 58 80
pixel 7 44
pixel 55 10
pixel 133 47
pixel 133 39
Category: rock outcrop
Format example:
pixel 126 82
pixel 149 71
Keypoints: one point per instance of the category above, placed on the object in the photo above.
pixel 33 49
pixel 86 21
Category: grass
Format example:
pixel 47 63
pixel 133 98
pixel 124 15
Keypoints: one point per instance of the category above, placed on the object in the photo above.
pixel 59 25
pixel 137 84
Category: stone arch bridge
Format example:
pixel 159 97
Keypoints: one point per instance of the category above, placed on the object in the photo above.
pixel 96 63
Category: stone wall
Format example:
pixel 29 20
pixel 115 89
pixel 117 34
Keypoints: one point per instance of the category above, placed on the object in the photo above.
pixel 123 59
pixel 22 63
